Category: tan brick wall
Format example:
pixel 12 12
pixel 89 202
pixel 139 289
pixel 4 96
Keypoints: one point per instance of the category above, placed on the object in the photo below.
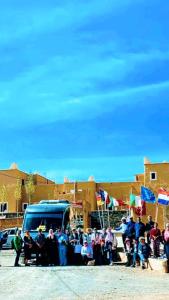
pixel 9 223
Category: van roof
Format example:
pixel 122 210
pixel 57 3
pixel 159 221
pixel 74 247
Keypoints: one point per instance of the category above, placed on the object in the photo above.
pixel 42 208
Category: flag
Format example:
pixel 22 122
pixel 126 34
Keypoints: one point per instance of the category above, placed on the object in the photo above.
pixel 111 203
pixel 115 202
pixel 121 202
pixel 77 204
pixel 99 200
pixel 104 196
pixel 135 201
pixel 132 200
pixel 147 195
pixel 138 202
pixel 141 210
pixel 101 193
pixel 163 197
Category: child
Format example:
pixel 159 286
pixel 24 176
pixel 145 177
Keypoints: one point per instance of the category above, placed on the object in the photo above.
pixel 135 253
pixel 129 250
pixel 144 251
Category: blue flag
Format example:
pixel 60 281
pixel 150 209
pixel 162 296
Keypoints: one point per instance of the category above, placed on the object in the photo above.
pixel 147 195
pixel 101 192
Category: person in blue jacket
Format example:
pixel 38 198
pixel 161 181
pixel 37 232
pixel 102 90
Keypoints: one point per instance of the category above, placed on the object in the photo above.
pixel 130 232
pixel 139 228
pixel 144 251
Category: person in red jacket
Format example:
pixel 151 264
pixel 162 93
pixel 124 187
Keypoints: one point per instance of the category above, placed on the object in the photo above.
pixel 155 237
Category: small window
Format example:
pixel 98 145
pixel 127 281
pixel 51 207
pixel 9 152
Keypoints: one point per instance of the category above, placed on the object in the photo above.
pixel 23 182
pixel 12 231
pixel 153 175
pixel 24 206
pixel 3 207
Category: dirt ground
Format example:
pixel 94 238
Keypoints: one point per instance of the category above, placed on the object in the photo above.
pixel 99 282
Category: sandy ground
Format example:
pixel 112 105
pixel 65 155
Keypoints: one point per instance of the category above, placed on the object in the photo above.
pixel 104 282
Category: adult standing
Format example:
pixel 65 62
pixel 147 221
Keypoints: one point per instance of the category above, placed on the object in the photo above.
pixel 155 237
pixel 80 235
pixel 166 243
pixel 111 245
pixel 131 229
pixel 62 244
pixel 73 239
pixel 139 229
pixel 149 226
pixel 40 247
pixel 28 246
pixel 17 242
pixel 52 249
pixel 97 254
pixel 86 252
pixel 123 229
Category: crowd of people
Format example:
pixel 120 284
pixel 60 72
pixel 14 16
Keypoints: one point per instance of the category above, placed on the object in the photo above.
pixel 98 247
pixel 144 240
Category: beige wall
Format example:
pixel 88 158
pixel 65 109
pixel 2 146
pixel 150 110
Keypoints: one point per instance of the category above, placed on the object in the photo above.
pixel 85 191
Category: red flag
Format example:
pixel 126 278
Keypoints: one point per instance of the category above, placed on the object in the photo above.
pixel 121 202
pixel 107 199
pixel 141 211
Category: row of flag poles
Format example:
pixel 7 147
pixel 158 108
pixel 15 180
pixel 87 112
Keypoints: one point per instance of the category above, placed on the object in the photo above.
pixel 136 202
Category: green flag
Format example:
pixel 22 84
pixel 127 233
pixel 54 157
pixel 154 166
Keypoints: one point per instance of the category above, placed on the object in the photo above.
pixel 111 204
pixel 132 199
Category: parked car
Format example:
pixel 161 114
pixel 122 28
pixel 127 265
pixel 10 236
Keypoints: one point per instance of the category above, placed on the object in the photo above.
pixel 7 236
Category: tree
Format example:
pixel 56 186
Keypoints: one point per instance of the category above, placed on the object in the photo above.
pixel 30 187
pixel 18 193
pixel 3 195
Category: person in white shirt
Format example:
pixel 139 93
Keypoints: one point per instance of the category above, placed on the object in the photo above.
pixel 111 245
pixel 87 253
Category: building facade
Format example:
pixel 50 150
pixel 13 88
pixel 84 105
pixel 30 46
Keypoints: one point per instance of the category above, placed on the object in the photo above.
pixel 155 175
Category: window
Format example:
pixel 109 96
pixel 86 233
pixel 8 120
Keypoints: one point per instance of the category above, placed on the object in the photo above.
pixel 24 206
pixel 153 175
pixel 3 207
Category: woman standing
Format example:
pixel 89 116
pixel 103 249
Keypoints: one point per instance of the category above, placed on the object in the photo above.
pixel 111 245
pixel 52 249
pixel 28 245
pixel 166 243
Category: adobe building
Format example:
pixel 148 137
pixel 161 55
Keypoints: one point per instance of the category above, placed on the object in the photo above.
pixel 155 175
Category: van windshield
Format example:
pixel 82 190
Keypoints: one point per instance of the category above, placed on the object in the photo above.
pixel 45 221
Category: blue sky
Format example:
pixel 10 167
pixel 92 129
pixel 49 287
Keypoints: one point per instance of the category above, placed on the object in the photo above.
pixel 84 86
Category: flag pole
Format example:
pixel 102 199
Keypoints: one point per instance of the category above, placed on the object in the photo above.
pixel 164 215
pixel 156 215
pixel 100 217
pixel 108 217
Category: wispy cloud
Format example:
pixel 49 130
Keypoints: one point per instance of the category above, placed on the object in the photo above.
pixel 83 79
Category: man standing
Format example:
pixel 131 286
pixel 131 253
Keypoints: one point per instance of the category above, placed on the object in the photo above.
pixel 40 247
pixel 131 229
pixel 149 226
pixel 18 247
pixel 139 229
